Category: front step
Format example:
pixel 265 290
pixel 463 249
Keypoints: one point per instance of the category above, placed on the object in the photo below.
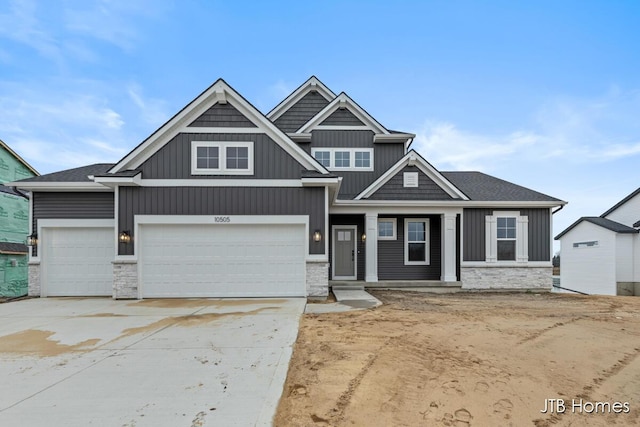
pixel 341 287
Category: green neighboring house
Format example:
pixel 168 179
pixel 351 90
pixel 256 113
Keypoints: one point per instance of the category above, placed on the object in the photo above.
pixel 14 224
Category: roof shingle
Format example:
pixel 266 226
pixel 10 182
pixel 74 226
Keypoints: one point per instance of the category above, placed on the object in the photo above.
pixel 614 226
pixel 482 187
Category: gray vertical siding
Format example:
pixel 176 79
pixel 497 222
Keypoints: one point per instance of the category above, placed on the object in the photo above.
pixel 342 117
pixel 301 112
pixel 539 233
pixel 222 201
pixel 173 161
pixel 357 220
pixel 76 205
pixel 394 189
pixel 384 156
pixel 391 254
pixel 222 115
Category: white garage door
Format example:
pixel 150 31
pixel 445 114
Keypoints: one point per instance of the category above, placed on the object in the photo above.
pixel 77 261
pixel 222 260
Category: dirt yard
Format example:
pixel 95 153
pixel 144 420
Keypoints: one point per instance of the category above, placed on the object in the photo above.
pixel 468 360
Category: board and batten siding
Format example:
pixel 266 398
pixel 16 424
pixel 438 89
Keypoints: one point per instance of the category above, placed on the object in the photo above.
pixel 357 220
pixel 342 117
pixel 353 182
pixel 222 115
pixel 222 201
pixel 301 112
pixel 394 189
pixel 539 233
pixel 173 161
pixel 72 205
pixel 391 254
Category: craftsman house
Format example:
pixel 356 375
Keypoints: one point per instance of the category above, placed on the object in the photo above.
pixel 601 255
pixel 14 224
pixel 223 201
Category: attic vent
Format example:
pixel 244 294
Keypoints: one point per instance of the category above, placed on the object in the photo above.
pixel 589 244
pixel 410 179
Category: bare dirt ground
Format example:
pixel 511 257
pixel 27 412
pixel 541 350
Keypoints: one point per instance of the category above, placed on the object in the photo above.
pixel 467 360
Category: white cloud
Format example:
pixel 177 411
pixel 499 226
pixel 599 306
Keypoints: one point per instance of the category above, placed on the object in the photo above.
pixel 152 110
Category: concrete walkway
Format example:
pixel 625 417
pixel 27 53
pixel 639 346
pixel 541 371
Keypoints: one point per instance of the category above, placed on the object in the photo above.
pixel 95 361
pixel 346 300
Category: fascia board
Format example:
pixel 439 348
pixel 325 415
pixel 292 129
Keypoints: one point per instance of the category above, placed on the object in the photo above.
pixel 311 84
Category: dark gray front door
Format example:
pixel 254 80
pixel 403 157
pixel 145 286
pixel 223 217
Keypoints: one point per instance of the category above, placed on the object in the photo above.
pixel 344 252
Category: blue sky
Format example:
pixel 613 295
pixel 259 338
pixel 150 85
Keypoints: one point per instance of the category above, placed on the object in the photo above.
pixel 545 94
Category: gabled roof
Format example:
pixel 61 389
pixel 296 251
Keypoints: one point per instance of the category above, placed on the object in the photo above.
pixel 76 179
pixel 621 202
pixel 219 92
pixel 310 85
pixel 479 186
pixel 412 158
pixel 20 159
pixel 614 226
pixel 344 101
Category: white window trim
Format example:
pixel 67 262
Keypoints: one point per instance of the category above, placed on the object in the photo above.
pixel 426 242
pixel 394 227
pixel 352 158
pixel 222 150
pixel 491 238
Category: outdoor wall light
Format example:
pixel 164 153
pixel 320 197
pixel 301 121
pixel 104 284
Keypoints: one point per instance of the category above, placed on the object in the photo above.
pixel 364 237
pixel 32 240
pixel 124 237
pixel 317 236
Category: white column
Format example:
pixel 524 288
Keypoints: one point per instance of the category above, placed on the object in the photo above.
pixel 371 247
pixel 449 248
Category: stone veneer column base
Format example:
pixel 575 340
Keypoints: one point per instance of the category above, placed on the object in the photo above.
pixel 507 278
pixel 317 279
pixel 34 280
pixel 125 280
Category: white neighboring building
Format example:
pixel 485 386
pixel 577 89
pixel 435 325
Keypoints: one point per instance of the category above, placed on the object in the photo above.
pixel 601 255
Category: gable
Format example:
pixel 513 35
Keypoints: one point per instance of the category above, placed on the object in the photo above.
pixel 12 167
pixel 627 211
pixel 303 110
pixel 218 93
pixel 394 188
pixel 222 115
pixel 173 160
pixel 343 102
pixel 342 117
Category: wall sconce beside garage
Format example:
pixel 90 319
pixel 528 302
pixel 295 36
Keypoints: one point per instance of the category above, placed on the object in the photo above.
pixel 317 236
pixel 32 240
pixel 124 237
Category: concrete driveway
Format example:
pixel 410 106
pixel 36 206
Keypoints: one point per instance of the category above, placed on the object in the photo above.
pixel 94 361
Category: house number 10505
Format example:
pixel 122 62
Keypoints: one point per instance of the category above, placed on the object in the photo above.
pixel 222 219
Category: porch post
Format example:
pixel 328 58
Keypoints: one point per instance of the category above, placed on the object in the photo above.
pixel 371 247
pixel 449 247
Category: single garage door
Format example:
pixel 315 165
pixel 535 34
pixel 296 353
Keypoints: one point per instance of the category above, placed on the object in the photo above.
pixel 77 261
pixel 222 260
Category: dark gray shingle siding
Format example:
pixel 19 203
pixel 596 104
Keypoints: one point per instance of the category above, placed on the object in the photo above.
pixel 342 117
pixel 394 189
pixel 222 115
pixel 482 187
pixel 301 112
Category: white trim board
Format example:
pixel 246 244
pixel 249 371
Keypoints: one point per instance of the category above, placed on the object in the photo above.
pixel 343 101
pixel 413 159
pixel 221 92
pixel 313 83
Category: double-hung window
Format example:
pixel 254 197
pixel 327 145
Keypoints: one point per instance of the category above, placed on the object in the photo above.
pixel 416 241
pixel 344 159
pixel 506 236
pixel 221 158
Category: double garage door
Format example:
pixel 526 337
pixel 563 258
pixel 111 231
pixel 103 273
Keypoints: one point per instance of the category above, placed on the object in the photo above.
pixel 181 260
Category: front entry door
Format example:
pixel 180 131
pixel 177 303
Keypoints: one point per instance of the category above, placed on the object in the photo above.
pixel 344 252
